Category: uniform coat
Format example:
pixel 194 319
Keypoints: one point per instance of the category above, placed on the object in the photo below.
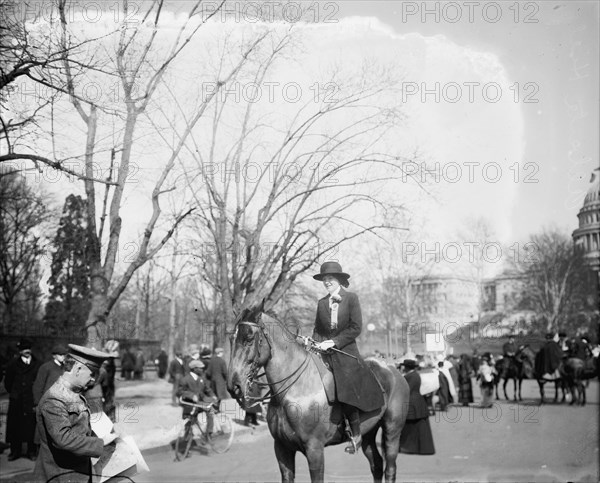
pixel 67 443
pixel 416 437
pixel 217 373
pixel 46 377
pixel 355 384
pixel 20 419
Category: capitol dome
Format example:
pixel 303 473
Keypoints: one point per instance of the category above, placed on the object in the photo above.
pixel 587 236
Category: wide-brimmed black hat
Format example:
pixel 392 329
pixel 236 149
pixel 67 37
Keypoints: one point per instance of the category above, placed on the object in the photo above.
pixel 87 356
pixel 24 344
pixel 331 268
pixel 409 363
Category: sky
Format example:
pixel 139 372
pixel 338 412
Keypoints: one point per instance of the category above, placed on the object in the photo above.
pixel 554 47
pixel 501 101
pixel 544 56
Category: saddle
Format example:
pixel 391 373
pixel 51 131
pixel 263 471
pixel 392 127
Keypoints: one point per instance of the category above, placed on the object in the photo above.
pixel 328 380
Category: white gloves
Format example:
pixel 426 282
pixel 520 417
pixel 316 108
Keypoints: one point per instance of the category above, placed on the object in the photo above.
pixel 325 345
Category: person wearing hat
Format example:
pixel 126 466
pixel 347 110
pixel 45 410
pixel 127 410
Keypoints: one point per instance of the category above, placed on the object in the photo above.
pixel 49 372
pixel 176 372
pixel 106 379
pixel 549 359
pixel 195 388
pixel 416 436
pixel 338 323
pixel 217 374
pixel 565 344
pixel 162 363
pixel 20 419
pixel 485 375
pixel 509 349
pixel 63 416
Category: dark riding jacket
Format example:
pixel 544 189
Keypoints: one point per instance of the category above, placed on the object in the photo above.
pixel 355 383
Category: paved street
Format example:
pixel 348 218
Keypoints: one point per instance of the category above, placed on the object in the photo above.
pixel 510 442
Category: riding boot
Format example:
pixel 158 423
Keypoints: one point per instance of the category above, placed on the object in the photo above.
pixel 353 418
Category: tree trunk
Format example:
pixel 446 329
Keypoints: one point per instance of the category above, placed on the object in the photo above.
pixel 173 304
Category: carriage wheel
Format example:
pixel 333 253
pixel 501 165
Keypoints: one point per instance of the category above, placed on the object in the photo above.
pixel 222 436
pixel 184 442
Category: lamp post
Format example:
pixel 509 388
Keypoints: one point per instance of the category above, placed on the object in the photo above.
pixel 370 331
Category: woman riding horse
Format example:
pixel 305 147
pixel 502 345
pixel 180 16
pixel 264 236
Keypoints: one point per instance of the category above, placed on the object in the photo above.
pixel 337 325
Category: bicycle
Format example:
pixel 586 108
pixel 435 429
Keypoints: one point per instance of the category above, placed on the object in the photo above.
pixel 219 441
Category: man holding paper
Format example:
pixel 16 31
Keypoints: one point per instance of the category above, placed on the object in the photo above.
pixel 63 418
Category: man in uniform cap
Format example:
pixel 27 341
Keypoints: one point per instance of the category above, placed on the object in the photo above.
pixel 63 416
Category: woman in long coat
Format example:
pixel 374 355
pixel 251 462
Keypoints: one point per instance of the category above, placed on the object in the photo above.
pixel 465 387
pixel 337 325
pixel 416 437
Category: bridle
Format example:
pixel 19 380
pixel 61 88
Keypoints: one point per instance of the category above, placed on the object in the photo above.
pixel 259 360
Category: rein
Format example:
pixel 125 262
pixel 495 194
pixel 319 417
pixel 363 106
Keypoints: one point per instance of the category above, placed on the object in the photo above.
pixel 256 365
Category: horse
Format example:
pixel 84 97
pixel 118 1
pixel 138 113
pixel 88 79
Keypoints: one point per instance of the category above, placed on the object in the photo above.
pixel 300 415
pixel 576 373
pixel 516 368
pixel 559 379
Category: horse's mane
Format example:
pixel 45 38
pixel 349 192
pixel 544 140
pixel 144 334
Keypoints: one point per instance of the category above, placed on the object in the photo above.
pixel 253 313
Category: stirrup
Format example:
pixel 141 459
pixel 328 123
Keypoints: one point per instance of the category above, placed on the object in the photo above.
pixel 353 444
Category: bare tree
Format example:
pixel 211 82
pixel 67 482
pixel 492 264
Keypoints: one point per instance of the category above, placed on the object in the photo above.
pixel 32 58
pixel 555 278
pixel 139 62
pixel 24 220
pixel 276 194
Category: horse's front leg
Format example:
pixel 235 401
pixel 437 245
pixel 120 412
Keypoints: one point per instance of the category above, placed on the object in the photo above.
pixel 286 459
pixel 316 460
pixel 541 385
pixel 515 383
pixel 504 383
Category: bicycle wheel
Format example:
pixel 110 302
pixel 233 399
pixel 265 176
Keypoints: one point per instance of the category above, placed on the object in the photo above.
pixel 184 442
pixel 222 437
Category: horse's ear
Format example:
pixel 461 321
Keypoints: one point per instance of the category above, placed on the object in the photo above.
pixel 262 304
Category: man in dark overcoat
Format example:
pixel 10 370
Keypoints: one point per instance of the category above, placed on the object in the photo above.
pixel 20 420
pixel 49 373
pixel 176 372
pixel 162 361
pixel 337 325
pixel 217 373
pixel 67 441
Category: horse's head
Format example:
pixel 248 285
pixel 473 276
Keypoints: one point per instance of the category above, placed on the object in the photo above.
pixel 250 350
